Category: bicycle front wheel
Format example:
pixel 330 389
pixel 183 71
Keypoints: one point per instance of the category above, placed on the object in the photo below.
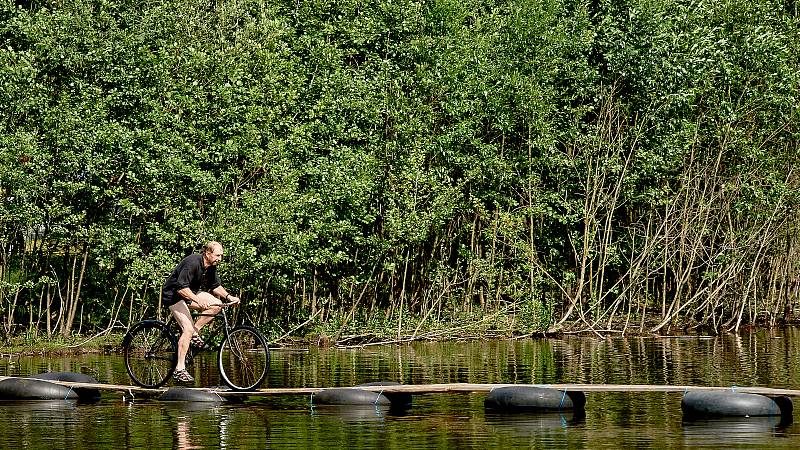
pixel 150 351
pixel 243 359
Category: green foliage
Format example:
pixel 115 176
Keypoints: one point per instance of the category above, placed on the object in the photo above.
pixel 396 157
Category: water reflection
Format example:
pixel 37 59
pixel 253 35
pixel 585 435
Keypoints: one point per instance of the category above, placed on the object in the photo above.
pixel 351 413
pixel 724 431
pixel 39 407
pixel 183 438
pixel 28 419
pixel 31 411
pixel 757 358
pixel 436 420
pixel 193 424
pixel 214 425
pixel 531 423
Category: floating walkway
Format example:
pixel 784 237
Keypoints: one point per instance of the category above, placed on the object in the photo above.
pixel 697 402
pixel 435 388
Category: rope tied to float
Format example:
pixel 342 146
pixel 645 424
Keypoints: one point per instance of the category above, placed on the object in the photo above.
pixel 216 392
pixel 733 388
pixel 378 397
pixel 563 396
pixel 66 396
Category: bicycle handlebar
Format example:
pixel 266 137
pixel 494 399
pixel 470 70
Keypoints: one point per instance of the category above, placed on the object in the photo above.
pixel 223 304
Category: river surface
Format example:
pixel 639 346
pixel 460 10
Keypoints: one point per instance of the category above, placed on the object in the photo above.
pixel 766 358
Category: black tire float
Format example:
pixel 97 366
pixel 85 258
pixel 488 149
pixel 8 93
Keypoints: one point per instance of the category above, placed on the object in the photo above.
pixel 398 399
pixel 31 389
pixel 533 399
pixel 701 404
pixel 39 388
pixel 84 394
pixel 181 394
pixel 350 396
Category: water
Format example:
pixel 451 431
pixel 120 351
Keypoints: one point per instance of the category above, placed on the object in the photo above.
pixel 612 420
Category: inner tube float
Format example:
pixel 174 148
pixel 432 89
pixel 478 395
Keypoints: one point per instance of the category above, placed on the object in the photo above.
pixel 533 399
pixel 85 394
pixel 699 404
pixel 31 389
pixel 38 387
pixel 350 396
pixel 182 394
pixel 397 399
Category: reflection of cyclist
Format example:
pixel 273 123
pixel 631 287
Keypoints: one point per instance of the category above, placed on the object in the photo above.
pixel 183 433
pixel 194 280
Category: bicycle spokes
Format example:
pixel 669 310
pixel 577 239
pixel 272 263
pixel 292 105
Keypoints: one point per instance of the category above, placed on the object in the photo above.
pixel 243 359
pixel 149 353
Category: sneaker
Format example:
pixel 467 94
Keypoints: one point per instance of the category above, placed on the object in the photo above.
pixel 197 342
pixel 183 376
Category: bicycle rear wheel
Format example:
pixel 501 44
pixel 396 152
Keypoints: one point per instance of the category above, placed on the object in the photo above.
pixel 243 359
pixel 150 351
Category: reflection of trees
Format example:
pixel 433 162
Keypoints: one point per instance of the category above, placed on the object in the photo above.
pixel 763 358
pixel 759 358
pixel 752 358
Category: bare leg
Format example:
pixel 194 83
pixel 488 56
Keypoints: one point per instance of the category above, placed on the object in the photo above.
pixel 184 318
pixel 207 314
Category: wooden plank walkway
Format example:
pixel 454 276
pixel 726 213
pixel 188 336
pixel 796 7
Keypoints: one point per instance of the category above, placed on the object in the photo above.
pixel 136 391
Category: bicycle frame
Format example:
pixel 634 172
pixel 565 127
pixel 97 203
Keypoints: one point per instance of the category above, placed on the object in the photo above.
pixel 151 347
pixel 225 327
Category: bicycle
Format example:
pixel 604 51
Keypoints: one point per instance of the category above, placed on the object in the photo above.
pixel 150 349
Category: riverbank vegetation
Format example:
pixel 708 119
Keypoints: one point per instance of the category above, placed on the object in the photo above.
pixel 403 169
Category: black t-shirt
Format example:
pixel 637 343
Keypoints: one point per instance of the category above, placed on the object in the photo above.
pixel 189 273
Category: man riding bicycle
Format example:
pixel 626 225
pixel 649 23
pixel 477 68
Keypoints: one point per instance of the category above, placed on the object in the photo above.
pixel 190 286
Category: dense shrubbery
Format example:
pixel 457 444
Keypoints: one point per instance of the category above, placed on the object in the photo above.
pixel 403 165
